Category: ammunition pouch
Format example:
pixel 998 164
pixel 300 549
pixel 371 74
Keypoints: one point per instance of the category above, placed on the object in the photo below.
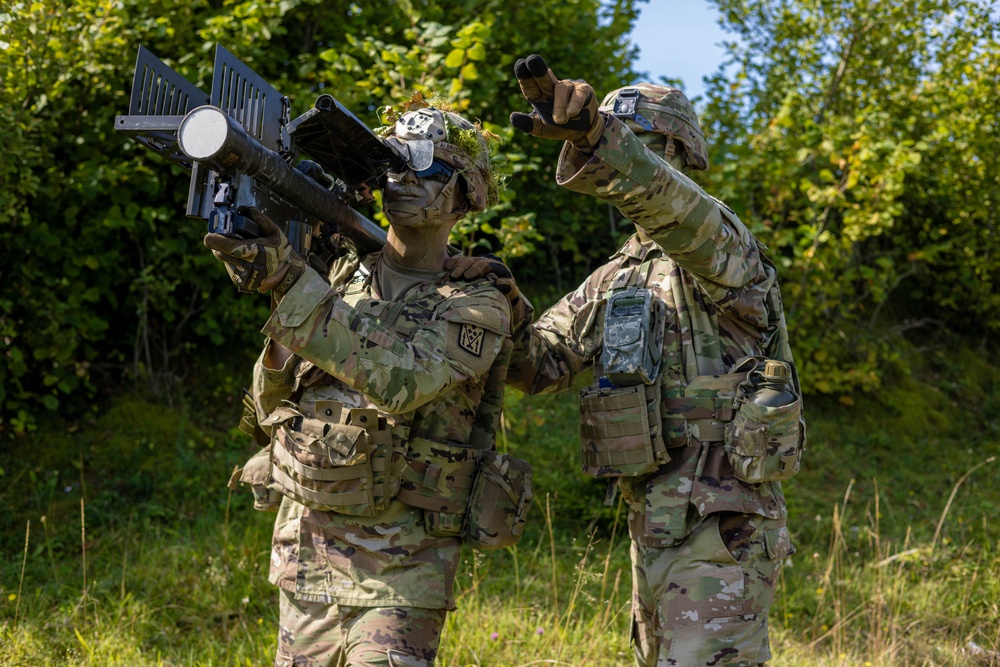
pixel 629 431
pixel 347 464
pixel 499 502
pixel 621 430
pixel 255 474
pixel 438 479
pixel 764 443
pixel 332 466
pixel 478 495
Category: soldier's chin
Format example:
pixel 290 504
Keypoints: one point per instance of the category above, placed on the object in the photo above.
pixel 403 215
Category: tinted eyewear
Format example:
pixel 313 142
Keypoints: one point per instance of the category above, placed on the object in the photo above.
pixel 438 171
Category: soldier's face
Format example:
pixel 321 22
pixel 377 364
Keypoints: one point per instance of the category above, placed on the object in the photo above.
pixel 407 188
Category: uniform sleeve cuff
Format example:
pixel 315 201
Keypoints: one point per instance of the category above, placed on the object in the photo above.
pixel 301 300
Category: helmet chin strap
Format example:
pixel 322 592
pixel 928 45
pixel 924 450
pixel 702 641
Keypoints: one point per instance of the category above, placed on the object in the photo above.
pixel 405 215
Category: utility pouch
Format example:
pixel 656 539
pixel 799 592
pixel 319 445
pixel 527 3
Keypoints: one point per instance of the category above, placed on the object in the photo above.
pixel 256 473
pixel 438 478
pixel 621 430
pixel 499 502
pixel 764 443
pixel 633 337
pixel 326 466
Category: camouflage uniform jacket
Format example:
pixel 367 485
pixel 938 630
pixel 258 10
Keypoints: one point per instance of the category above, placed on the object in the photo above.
pixel 421 362
pixel 722 304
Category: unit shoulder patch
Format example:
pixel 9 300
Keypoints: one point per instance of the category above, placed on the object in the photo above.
pixel 470 339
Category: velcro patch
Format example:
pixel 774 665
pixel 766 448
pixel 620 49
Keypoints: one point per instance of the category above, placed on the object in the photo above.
pixel 470 339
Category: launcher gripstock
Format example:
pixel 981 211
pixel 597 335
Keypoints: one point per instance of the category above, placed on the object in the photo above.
pixel 239 145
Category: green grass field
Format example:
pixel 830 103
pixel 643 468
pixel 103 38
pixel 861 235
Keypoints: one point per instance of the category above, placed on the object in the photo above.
pixel 122 546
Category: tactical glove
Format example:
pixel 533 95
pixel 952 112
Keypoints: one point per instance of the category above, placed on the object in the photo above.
pixel 262 264
pixel 563 109
pixel 460 267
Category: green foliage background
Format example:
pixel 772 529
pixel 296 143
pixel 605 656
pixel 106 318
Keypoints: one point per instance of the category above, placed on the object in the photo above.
pixel 857 138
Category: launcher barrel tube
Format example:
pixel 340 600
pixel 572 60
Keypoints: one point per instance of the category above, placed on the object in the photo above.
pixel 212 137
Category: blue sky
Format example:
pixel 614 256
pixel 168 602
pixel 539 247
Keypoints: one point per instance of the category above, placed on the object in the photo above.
pixel 679 38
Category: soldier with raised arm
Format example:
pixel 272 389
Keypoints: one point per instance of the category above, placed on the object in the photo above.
pixel 682 328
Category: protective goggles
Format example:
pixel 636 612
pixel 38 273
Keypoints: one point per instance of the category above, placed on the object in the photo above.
pixel 438 171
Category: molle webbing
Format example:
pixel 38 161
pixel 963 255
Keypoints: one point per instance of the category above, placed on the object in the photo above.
pixel 620 431
pixel 705 409
pixel 703 417
pixel 438 477
pixel 332 465
pixel 321 499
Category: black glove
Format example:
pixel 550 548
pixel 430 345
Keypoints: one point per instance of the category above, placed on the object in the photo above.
pixel 563 109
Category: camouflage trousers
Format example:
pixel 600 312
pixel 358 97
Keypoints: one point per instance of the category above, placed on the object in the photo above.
pixel 705 601
pixel 315 634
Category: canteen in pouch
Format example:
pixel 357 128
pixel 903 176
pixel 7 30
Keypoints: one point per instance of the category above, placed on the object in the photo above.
pixel 764 443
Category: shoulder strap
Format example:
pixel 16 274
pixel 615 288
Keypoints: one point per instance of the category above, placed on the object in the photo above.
pixel 490 409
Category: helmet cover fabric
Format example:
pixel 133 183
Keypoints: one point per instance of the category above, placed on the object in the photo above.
pixel 424 136
pixel 648 107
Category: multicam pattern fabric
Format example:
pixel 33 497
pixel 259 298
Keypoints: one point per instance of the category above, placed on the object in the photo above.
pixel 722 305
pixel 498 502
pixel 433 130
pixel 404 360
pixel 665 110
pixel 703 263
pixel 318 635
pixel 705 603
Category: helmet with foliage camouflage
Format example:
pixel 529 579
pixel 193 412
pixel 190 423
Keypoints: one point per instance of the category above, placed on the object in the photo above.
pixel 428 134
pixel 649 107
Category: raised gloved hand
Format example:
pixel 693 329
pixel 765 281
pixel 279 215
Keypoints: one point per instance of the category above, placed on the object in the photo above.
pixel 563 109
pixel 460 267
pixel 262 264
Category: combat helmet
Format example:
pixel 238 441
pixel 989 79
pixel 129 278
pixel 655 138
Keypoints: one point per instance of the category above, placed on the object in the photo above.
pixel 649 107
pixel 428 134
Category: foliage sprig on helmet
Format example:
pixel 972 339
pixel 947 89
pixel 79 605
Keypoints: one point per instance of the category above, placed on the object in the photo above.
pixel 427 132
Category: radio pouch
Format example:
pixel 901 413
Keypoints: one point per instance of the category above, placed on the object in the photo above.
pixel 633 336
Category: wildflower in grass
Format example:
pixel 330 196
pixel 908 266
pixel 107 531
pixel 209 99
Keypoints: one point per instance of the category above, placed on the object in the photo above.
pixel 540 631
pixel 13 596
pixel 494 636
